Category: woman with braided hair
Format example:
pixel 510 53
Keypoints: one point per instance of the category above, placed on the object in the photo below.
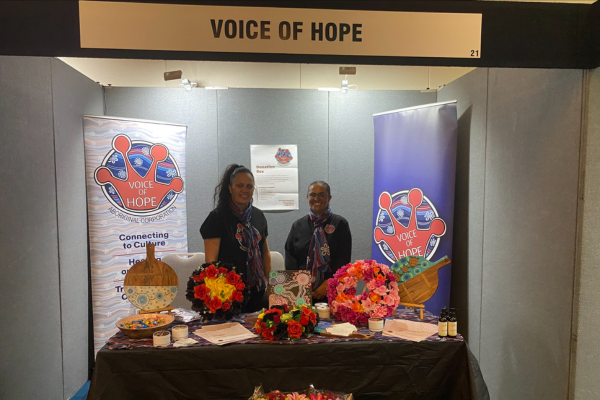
pixel 236 232
pixel 320 242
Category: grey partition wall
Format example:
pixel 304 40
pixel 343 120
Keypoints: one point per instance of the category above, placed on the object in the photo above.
pixel 73 95
pixel 585 370
pixel 470 91
pixel 531 183
pixel 28 241
pixel 43 240
pixel 516 205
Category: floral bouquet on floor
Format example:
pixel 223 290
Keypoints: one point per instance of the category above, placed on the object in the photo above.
pixel 216 291
pixel 379 299
pixel 322 394
pixel 281 323
pixel 309 394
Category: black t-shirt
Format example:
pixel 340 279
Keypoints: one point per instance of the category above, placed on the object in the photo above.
pixel 339 240
pixel 223 224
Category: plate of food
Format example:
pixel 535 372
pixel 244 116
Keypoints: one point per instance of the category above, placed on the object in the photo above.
pixel 141 326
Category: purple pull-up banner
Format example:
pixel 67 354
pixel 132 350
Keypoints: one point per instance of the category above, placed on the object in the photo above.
pixel 415 168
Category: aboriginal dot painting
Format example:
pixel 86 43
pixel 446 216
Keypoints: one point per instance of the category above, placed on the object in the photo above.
pixel 289 287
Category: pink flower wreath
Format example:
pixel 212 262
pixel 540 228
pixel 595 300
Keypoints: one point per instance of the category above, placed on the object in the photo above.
pixel 379 299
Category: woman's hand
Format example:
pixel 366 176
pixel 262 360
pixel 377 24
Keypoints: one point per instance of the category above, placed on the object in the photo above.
pixel 321 291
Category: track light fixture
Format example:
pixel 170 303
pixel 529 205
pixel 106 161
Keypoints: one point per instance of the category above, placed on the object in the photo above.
pixel 344 88
pixel 175 75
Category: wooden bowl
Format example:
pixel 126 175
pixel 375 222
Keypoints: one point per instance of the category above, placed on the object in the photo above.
pixel 144 332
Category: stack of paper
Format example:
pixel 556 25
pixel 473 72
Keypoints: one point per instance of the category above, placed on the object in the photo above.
pixel 344 330
pixel 409 330
pixel 224 333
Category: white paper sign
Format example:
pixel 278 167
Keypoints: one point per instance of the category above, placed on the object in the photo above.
pixel 275 169
pixel 409 330
pixel 224 333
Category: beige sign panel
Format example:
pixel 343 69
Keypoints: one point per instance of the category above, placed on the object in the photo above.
pixel 137 26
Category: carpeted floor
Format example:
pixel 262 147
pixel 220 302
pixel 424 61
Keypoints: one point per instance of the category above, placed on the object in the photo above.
pixel 82 393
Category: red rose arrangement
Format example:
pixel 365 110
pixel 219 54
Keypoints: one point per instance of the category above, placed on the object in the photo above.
pixel 281 323
pixel 216 291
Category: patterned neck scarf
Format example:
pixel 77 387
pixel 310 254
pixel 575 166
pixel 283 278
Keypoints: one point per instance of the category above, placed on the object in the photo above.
pixel 318 250
pixel 249 239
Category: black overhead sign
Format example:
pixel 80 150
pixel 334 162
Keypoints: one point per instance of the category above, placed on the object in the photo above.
pixel 437 33
pixel 276 30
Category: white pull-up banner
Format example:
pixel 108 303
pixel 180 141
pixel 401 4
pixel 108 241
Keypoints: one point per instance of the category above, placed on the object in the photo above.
pixel 135 173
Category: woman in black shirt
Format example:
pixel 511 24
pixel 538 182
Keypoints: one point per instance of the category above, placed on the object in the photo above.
pixel 236 232
pixel 320 242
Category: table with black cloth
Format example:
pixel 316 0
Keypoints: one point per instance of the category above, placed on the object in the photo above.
pixel 370 369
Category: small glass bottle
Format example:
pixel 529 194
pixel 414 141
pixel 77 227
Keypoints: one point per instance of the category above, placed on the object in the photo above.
pixel 452 324
pixel 443 324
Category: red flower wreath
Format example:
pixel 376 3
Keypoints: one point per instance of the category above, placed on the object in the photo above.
pixel 380 298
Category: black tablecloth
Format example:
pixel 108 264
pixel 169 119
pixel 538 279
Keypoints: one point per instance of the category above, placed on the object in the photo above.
pixel 369 369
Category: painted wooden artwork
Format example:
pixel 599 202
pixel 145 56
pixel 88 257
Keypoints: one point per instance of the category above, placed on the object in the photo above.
pixel 417 279
pixel 289 287
pixel 151 284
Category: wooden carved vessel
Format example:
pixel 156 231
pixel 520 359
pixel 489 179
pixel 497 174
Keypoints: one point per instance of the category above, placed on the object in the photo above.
pixel 417 278
pixel 151 284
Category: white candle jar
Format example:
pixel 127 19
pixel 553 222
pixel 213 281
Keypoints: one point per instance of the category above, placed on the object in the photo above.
pixel 180 332
pixel 161 338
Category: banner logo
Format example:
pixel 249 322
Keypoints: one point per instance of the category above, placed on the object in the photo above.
pixel 407 224
pixel 283 157
pixel 138 177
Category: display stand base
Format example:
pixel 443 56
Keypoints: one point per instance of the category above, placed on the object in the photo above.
pixel 168 309
pixel 414 306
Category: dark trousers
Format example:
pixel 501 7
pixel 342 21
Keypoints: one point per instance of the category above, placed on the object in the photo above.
pixel 257 301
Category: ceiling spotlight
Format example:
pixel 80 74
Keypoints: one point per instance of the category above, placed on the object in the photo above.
pixel 187 84
pixel 344 86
